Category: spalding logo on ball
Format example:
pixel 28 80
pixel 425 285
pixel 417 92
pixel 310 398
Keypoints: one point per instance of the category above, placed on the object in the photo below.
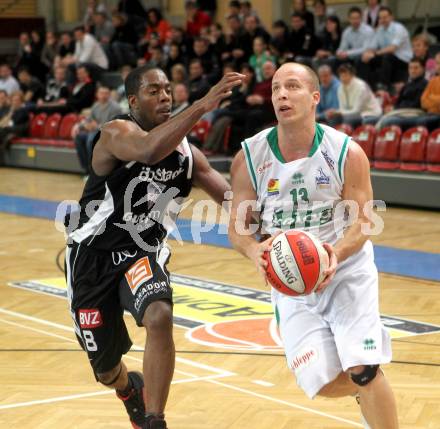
pixel 296 263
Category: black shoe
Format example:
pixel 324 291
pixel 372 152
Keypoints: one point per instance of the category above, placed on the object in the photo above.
pixel 134 402
pixel 154 421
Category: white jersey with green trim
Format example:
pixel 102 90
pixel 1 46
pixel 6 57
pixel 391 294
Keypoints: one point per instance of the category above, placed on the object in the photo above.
pixel 304 194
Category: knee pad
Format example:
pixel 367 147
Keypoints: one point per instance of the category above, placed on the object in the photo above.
pixel 366 376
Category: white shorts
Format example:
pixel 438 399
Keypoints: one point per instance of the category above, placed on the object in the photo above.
pixel 329 332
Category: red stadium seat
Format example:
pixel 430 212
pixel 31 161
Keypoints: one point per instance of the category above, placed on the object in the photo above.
pixel 413 149
pixel 433 152
pixel 365 136
pixel 51 126
pixel 200 130
pixel 67 123
pixel 386 148
pixel 37 125
pixel 345 128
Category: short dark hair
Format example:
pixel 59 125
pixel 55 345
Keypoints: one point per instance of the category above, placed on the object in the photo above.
pixel 297 15
pixel 234 3
pixel 134 79
pixel 382 8
pixel 354 9
pixel 346 68
pixel 79 28
pixel 417 60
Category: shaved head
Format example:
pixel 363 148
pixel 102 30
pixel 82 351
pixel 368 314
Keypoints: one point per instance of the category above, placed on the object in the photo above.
pixel 302 71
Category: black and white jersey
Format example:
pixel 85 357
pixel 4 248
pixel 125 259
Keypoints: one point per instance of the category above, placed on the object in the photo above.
pixel 135 203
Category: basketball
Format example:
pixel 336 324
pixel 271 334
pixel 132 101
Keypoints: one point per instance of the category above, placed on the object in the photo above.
pixel 296 263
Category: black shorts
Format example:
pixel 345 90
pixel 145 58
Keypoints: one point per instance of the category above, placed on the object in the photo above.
pixel 100 285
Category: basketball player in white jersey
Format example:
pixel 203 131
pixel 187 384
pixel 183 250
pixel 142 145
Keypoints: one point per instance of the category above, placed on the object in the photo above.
pixel 300 174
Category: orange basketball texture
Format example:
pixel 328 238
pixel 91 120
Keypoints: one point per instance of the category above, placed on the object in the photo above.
pixel 296 263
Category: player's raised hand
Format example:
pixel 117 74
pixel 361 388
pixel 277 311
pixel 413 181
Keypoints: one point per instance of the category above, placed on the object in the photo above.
pixel 331 270
pixel 222 90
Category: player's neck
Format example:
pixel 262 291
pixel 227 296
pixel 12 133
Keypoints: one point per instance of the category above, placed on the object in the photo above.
pixel 144 124
pixel 294 138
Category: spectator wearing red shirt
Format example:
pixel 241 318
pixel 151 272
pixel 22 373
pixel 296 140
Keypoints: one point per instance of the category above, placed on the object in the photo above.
pixel 156 24
pixel 195 19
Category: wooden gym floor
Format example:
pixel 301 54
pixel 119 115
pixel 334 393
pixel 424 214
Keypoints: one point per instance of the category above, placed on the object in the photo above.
pixel 228 374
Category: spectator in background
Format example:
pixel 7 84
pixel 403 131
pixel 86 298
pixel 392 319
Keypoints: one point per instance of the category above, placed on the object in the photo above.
pixel 356 38
pixel 123 42
pixel 209 62
pixel 93 7
pixel 409 98
pixel 217 42
pixel 82 96
pixel 230 113
pixel 87 52
pixel 279 41
pixel 83 133
pixel 431 99
pixel 29 56
pixel 252 29
pixel 103 29
pixel 66 49
pixel 4 103
pixel 8 82
pixel 329 85
pixel 420 47
pixel 260 111
pixel 178 36
pixel 37 43
pixel 302 42
pixel 260 56
pixel 158 25
pixel 247 10
pixel 234 8
pixel 174 57
pixel 321 12
pixel 119 93
pixel 157 58
pixel 57 90
pixel 234 41
pixel 178 74
pixel 370 15
pixel 30 86
pixel 15 123
pixel 329 42
pixel 198 85
pixel 180 98
pixel 357 103
pixel 50 50
pixel 299 7
pixel 132 8
pixel 195 19
pixel 386 62
pixel 208 6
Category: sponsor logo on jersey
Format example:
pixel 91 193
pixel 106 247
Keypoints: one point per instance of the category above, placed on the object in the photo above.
pixel 89 318
pixel 328 160
pixel 322 180
pixel 273 187
pixel 369 344
pixel 297 179
pixel 147 291
pixel 159 174
pixel 138 274
pixel 264 167
pixel 304 358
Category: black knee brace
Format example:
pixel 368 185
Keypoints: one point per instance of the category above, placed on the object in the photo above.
pixel 114 379
pixel 365 376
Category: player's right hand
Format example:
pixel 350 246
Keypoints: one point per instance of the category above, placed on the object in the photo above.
pixel 221 90
pixel 260 253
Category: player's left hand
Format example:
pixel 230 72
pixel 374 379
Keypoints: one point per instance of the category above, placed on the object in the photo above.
pixel 331 270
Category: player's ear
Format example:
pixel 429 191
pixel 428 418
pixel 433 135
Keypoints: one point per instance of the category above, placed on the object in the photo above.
pixel 316 97
pixel 132 102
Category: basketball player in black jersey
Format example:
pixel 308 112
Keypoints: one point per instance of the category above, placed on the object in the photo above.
pixel 141 167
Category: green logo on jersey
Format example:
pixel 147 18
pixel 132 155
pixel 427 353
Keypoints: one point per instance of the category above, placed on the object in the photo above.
pixel 297 179
pixel 369 344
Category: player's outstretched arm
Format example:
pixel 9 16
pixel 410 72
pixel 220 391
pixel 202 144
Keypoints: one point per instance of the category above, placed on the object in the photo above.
pixel 357 188
pixel 126 141
pixel 208 178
